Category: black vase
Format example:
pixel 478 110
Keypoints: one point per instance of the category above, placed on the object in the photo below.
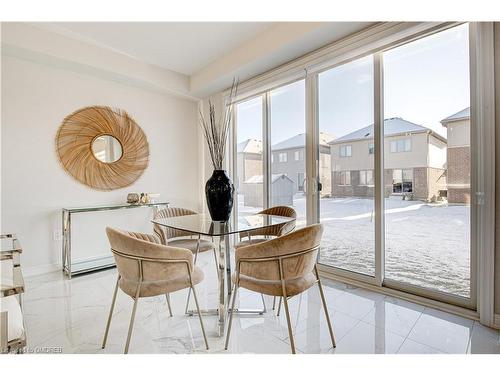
pixel 219 190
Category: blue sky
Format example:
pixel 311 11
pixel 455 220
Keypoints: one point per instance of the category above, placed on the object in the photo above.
pixel 424 82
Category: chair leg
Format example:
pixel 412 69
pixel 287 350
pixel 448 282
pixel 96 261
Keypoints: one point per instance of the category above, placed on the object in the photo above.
pixel 110 314
pixel 279 306
pixel 288 322
pixel 168 304
pixel 263 304
pixel 325 308
pixel 195 258
pixel 274 303
pixel 216 261
pixel 235 290
pixel 199 316
pixel 132 318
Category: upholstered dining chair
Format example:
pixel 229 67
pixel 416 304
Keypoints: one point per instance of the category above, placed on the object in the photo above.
pixel 281 267
pixel 146 268
pixel 264 234
pixel 179 238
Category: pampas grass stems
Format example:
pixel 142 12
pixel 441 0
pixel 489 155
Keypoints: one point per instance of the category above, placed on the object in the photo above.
pixel 216 132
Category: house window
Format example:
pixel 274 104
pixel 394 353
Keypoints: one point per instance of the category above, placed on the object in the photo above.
pixel 371 148
pixel 402 181
pixel 282 157
pixel 345 151
pixel 345 178
pixel 366 177
pixel 401 145
pixel 300 181
pixel 299 155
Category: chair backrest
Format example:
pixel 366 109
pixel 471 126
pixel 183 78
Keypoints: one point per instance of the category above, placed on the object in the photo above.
pixel 139 257
pixel 275 230
pixel 165 233
pixel 296 251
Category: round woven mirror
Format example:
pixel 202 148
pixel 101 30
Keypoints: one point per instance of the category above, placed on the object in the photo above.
pixel 103 148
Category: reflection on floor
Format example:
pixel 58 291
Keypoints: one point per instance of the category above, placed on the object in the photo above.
pixel 70 315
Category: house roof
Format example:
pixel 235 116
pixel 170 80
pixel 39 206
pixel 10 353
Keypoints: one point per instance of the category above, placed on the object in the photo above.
pixel 258 179
pixel 251 146
pixel 299 141
pixel 392 126
pixel 460 115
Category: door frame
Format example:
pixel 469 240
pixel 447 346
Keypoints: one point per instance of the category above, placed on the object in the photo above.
pixel 482 139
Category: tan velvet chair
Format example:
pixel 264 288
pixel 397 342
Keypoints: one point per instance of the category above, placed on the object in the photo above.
pixel 179 238
pixel 268 233
pixel 147 268
pixel 281 267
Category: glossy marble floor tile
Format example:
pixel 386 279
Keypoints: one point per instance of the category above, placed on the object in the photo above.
pixel 413 347
pixel 394 315
pixel 442 331
pixel 71 315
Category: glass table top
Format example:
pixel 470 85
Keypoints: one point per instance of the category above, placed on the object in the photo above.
pixel 203 224
pixel 113 206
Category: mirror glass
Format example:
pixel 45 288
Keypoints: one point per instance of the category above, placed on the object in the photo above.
pixel 107 149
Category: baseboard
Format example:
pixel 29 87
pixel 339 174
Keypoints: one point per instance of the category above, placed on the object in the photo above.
pixel 40 270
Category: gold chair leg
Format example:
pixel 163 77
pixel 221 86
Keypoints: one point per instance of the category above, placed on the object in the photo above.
pixel 263 304
pixel 199 316
pixel 235 290
pixel 168 304
pixel 195 258
pixel 288 322
pixel 285 300
pixel 132 318
pixel 325 308
pixel 216 261
pixel 110 314
pixel 279 306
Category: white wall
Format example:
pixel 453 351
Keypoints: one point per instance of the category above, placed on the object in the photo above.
pixel 437 153
pixel 36 96
pixel 458 133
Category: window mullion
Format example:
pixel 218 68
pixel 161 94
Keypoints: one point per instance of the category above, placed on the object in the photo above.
pixel 379 168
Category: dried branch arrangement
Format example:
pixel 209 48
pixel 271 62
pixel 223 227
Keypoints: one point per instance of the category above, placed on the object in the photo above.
pixel 74 147
pixel 216 131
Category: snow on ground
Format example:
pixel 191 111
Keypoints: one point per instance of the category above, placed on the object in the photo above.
pixel 427 244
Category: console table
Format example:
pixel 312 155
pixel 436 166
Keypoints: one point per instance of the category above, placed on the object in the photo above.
pixel 69 266
pixel 12 327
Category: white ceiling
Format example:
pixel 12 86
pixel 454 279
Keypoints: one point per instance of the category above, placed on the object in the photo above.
pixel 183 47
pixel 210 54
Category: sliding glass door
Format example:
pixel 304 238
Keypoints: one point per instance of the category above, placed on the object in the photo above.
pixel 288 148
pixel 422 210
pixel 346 150
pixel 427 164
pixel 248 174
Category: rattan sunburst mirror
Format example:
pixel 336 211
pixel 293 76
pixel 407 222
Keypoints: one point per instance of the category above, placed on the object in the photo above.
pixel 102 147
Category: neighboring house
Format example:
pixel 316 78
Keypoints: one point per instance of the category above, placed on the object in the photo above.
pixel 288 157
pixel 458 156
pixel 281 191
pixel 249 160
pixel 414 158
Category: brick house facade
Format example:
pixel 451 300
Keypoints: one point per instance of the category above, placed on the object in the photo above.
pixel 458 156
pixel 414 158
